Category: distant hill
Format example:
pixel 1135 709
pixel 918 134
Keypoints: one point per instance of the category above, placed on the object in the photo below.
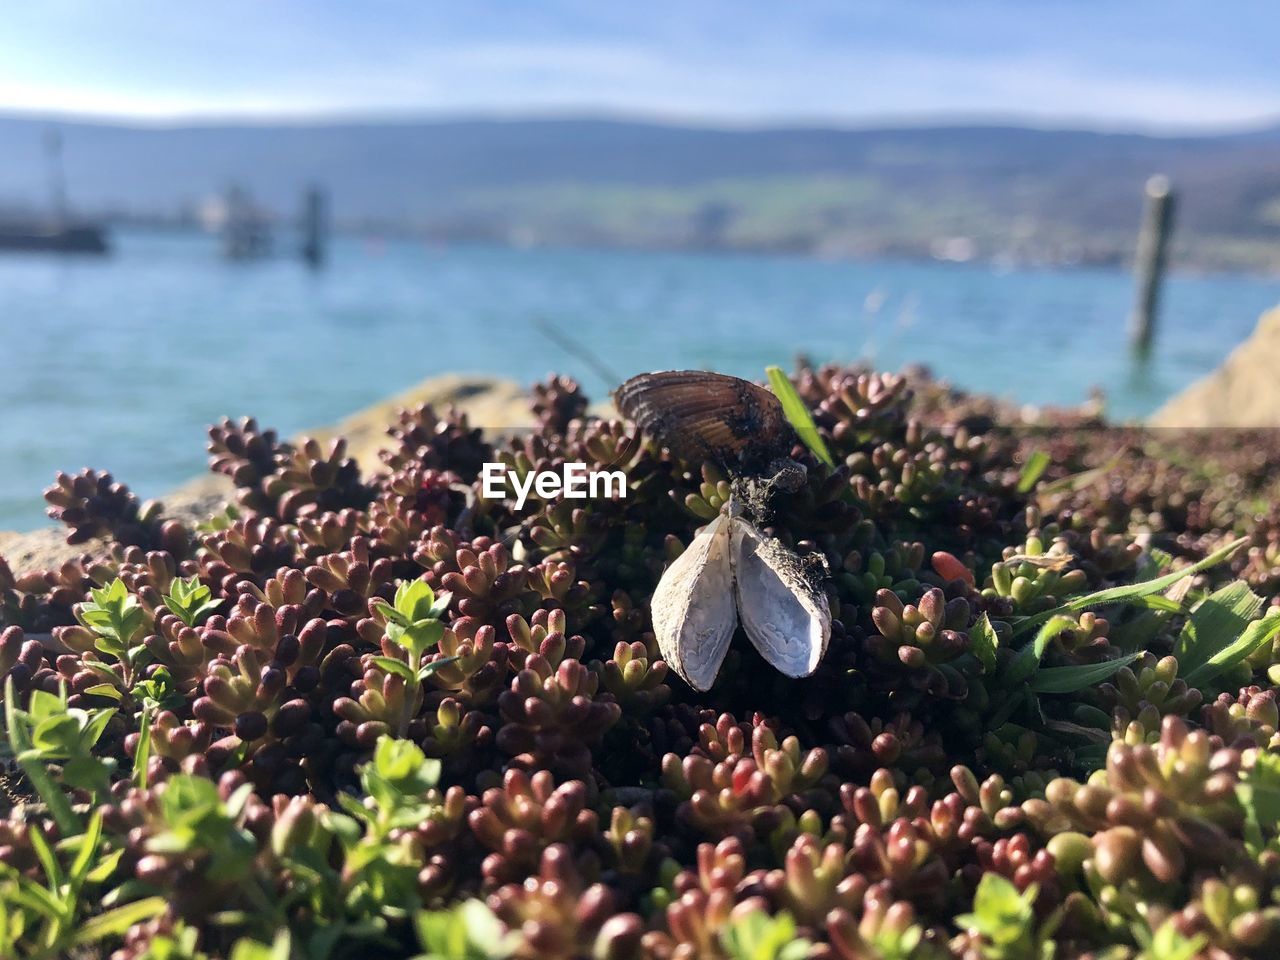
pixel 963 190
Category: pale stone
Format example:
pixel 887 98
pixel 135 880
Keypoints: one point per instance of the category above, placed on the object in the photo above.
pixel 1243 392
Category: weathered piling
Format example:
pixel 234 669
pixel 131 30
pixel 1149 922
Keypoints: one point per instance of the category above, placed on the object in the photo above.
pixel 315 226
pixel 1149 266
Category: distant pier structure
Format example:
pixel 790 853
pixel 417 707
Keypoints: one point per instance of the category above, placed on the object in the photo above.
pixel 247 228
pixel 315 227
pixel 246 233
pixel 58 231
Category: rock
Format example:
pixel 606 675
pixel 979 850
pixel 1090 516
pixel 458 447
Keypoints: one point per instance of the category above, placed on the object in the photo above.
pixel 198 499
pixel 494 404
pixel 1243 392
pixel 39 549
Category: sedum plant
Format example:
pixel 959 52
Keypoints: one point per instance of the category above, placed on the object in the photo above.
pixel 413 627
pixel 368 712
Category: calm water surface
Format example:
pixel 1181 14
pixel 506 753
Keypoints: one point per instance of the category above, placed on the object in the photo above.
pixel 121 363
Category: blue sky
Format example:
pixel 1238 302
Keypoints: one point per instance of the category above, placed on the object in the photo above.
pixel 1103 63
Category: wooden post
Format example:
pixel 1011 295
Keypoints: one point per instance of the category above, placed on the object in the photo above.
pixel 1153 243
pixel 315 224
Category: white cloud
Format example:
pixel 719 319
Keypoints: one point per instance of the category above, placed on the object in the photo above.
pixel 763 84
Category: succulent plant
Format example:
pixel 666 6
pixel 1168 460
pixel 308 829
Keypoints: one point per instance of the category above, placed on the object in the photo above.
pixel 519 820
pixel 372 712
pixel 20 659
pixel 557 402
pixel 94 505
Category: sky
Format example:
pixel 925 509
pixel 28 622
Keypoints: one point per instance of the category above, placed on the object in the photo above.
pixel 1108 64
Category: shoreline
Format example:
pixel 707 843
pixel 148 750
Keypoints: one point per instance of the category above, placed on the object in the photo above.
pixel 1182 268
pixel 491 403
pixel 1240 393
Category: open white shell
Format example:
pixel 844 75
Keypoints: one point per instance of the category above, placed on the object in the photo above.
pixel 731 570
pixel 784 615
pixel 693 607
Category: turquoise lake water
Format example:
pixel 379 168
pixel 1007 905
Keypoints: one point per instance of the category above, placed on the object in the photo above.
pixel 120 363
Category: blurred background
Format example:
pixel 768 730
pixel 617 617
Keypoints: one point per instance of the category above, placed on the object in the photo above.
pixel 293 210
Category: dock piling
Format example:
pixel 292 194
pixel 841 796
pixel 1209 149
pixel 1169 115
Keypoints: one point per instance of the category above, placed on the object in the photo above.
pixel 315 226
pixel 1149 265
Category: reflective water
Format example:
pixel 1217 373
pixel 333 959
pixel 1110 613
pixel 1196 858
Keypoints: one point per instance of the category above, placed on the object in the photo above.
pixel 120 363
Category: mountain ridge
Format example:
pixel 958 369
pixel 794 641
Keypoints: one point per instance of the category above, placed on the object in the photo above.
pixel 644 182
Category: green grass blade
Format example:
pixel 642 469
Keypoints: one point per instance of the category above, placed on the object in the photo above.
pixel 35 772
pixel 1255 636
pixel 39 900
pixel 115 922
pixel 985 643
pixel 1071 679
pixel 1034 469
pixel 1078 481
pixel 1129 592
pixel 1028 659
pixel 798 414
pixel 88 850
pixel 142 755
pixel 48 860
pixel 1215 622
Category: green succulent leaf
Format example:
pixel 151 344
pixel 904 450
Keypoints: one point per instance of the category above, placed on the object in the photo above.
pixel 468 931
pixel 158 690
pixel 440 606
pixel 107 690
pixel 392 665
pixel 108 644
pixel 114 614
pixel 18 725
pixel 414 599
pixel 1169 943
pixel 247 949
pixel 1005 919
pixel 190 600
pixel 394 616
pixel 103 670
pixel 435 666
pixel 759 936
pixel 400 768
